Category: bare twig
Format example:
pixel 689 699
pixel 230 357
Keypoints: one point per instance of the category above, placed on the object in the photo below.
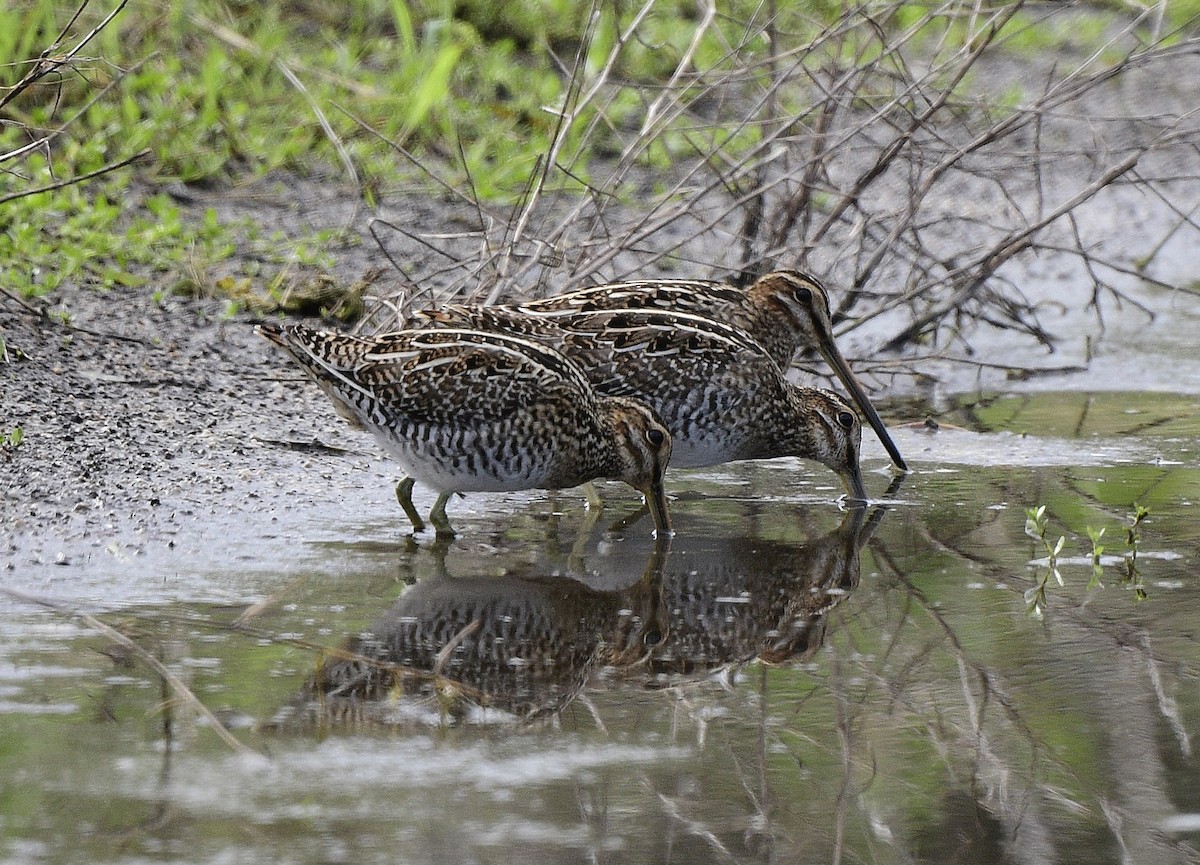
pixel 81 178
pixel 48 63
pixel 334 138
pixel 177 685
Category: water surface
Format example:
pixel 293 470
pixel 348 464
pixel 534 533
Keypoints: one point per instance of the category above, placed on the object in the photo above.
pixel 787 681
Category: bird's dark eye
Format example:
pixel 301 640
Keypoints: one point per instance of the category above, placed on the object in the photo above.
pixel 846 419
pixel 655 437
pixel 803 294
pixel 652 637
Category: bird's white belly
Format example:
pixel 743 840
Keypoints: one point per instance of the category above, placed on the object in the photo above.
pixel 471 465
pixel 697 452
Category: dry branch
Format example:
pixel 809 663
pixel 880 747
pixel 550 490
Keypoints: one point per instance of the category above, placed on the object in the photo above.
pixel 887 159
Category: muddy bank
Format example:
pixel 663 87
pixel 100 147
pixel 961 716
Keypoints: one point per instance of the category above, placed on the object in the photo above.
pixel 183 437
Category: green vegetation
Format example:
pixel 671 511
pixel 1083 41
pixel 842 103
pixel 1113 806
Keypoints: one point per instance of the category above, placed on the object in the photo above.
pixel 177 103
pixel 1036 523
pixel 1133 539
pixel 213 93
pixel 1095 535
pixel 1035 527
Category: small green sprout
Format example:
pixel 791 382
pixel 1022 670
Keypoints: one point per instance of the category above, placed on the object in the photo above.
pixel 1035 526
pixel 1095 535
pixel 1035 522
pixel 1133 539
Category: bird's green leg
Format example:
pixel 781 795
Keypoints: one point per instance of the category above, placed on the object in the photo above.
pixel 404 491
pixel 594 502
pixel 437 516
pixel 575 560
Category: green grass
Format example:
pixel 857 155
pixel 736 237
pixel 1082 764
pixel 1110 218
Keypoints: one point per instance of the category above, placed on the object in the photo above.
pixel 203 88
pixel 208 98
pixel 209 89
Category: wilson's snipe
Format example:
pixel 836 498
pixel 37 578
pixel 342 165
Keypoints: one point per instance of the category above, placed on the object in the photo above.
pixel 784 311
pixel 716 390
pixel 462 410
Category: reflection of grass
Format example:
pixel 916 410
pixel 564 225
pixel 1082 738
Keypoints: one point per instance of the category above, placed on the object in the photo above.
pixel 1095 535
pixel 1133 538
pixel 1082 415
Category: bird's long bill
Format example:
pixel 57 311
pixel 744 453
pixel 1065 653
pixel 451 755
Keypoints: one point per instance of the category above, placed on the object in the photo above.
pixel 852 479
pixel 656 501
pixel 834 358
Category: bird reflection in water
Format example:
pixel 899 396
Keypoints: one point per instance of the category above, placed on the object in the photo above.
pixel 452 649
pixel 510 647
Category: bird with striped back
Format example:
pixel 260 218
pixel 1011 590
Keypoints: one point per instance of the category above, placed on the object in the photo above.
pixel 784 311
pixel 715 388
pixel 468 411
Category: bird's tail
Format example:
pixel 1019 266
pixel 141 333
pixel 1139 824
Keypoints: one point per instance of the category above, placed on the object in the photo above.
pixel 329 358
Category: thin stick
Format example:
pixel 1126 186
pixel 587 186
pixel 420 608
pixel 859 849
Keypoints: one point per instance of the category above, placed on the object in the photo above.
pixel 174 681
pixel 71 181
pixel 45 65
pixel 334 138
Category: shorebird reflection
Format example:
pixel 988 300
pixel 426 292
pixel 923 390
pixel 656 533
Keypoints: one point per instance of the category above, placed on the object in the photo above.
pixel 452 649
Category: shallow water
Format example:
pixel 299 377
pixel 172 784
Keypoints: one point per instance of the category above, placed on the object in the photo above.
pixel 604 699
